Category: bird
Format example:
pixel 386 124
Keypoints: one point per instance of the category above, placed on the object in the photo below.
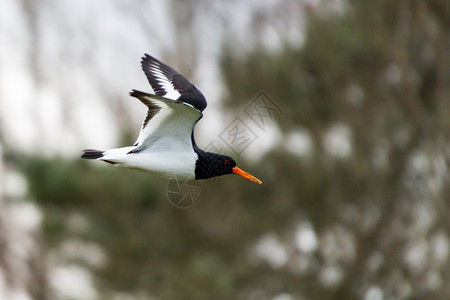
pixel 166 146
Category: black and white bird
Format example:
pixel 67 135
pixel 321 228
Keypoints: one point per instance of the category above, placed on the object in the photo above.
pixel 166 146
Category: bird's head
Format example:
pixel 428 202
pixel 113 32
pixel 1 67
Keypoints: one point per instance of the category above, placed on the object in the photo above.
pixel 212 165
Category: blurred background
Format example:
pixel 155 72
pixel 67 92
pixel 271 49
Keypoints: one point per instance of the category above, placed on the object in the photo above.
pixel 355 200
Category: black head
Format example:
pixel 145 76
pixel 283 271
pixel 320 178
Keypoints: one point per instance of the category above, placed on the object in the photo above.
pixel 211 165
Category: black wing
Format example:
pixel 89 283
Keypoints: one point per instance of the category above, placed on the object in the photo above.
pixel 168 83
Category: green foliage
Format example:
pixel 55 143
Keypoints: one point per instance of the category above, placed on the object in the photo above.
pixel 150 244
pixel 381 70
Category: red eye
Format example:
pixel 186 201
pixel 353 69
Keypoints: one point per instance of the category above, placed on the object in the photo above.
pixel 226 161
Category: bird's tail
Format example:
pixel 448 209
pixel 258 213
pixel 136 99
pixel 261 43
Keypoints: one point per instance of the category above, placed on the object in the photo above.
pixel 92 154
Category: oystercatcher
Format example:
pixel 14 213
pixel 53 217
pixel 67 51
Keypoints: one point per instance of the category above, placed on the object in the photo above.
pixel 166 146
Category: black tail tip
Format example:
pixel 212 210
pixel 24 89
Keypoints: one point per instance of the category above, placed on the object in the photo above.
pixel 92 154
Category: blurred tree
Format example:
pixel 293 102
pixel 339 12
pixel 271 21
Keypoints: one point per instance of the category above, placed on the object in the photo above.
pixel 363 215
pixel 380 75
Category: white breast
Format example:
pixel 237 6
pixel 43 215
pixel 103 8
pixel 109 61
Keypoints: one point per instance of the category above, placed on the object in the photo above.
pixel 166 164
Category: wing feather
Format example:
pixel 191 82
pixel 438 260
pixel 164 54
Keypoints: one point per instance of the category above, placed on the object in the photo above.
pixel 168 122
pixel 167 82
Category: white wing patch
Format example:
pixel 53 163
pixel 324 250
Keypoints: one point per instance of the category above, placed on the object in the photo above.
pixel 166 84
pixel 168 126
pixel 155 122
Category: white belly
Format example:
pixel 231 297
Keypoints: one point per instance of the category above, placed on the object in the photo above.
pixel 162 164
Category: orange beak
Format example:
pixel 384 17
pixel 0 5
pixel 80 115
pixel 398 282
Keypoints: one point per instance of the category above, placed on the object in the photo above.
pixel 244 174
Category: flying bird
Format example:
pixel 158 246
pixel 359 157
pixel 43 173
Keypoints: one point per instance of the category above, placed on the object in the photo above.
pixel 166 146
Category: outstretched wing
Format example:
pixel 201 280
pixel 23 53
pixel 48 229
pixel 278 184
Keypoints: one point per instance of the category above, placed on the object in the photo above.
pixel 168 122
pixel 168 83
